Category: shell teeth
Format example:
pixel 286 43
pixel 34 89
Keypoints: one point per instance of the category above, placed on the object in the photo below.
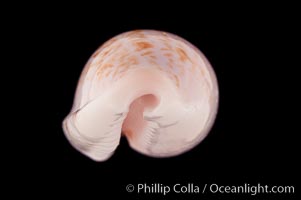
pixel 156 88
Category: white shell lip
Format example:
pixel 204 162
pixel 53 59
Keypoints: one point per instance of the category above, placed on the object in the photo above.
pixel 90 146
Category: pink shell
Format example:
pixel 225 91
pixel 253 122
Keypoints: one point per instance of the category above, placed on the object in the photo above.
pixel 155 87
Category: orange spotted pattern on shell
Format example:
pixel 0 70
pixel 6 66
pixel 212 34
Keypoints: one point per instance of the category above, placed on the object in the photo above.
pixel 172 55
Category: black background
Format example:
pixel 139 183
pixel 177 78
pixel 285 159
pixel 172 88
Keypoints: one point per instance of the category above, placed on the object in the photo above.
pixel 253 140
